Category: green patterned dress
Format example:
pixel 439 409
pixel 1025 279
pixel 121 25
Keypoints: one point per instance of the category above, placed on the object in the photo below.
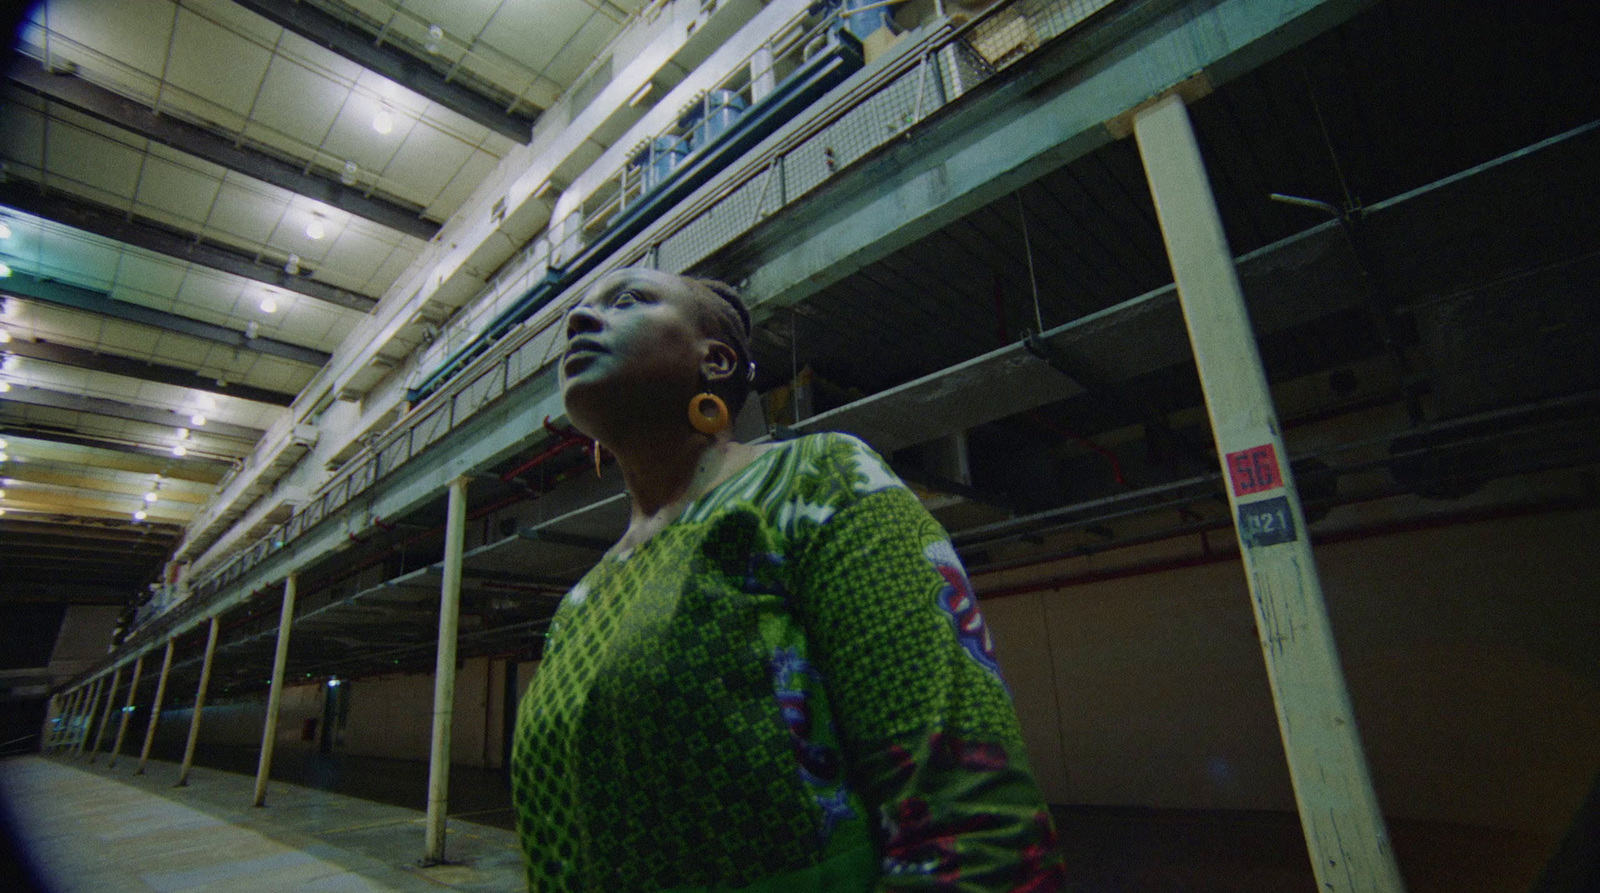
pixel 789 688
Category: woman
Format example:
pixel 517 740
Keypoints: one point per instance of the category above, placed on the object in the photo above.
pixel 778 680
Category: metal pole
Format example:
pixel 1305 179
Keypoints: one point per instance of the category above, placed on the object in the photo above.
pixel 155 708
pixel 269 734
pixel 105 718
pixel 444 673
pixel 199 704
pixel 74 716
pixel 88 715
pixel 47 732
pixel 1344 829
pixel 127 712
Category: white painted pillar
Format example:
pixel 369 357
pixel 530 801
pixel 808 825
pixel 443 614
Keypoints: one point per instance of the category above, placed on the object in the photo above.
pixel 127 712
pixel 155 708
pixel 95 691
pixel 105 718
pixel 1344 829
pixel 444 672
pixel 199 704
pixel 269 735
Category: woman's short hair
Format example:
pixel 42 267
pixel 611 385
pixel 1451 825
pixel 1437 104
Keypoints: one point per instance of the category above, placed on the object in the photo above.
pixel 727 319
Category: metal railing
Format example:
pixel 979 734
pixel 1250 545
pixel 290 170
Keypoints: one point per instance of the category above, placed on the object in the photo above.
pixel 880 108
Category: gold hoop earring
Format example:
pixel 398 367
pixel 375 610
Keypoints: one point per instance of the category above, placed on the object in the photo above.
pixel 597 458
pixel 708 414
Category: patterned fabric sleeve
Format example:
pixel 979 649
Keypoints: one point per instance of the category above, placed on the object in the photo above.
pixel 925 719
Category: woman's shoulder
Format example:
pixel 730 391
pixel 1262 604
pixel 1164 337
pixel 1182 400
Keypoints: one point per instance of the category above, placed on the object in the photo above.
pixel 834 464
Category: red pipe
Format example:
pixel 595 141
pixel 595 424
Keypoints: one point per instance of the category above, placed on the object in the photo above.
pixel 1086 443
pixel 566 440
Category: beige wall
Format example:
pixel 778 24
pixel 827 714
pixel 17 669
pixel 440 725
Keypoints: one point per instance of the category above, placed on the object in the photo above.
pixel 1471 651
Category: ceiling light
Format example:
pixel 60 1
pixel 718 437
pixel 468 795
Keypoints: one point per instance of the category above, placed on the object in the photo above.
pixel 152 496
pixel 315 229
pixel 435 35
pixel 180 450
pixel 2 511
pixel 383 122
pixel 4 456
pixel 4 443
pixel 348 175
pixel 5 230
pixel 140 515
pixel 5 337
pixel 269 305
pixel 197 420
pixel 2 494
pixel 4 271
pixel 183 433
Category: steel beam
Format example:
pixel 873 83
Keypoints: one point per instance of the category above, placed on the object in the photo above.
pixel 155 708
pixel 50 291
pixel 393 63
pixel 142 232
pixel 131 114
pixel 33 395
pixel 142 370
pixel 269 732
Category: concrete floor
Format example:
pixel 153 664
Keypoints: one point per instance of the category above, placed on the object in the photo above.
pixel 89 828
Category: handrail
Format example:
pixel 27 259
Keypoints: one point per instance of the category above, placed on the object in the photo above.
pixel 399 445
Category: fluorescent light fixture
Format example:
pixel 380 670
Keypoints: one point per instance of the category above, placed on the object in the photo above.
pixel 4 271
pixel 152 496
pixel 180 450
pixel 269 304
pixel 140 515
pixel 383 122
pixel 197 420
pixel 315 229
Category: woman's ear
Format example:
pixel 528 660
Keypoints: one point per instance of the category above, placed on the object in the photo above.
pixel 720 362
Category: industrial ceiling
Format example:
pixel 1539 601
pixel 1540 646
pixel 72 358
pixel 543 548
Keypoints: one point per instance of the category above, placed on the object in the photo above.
pixel 200 200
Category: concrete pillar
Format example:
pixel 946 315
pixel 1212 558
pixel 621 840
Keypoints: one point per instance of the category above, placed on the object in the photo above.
pixel 105 718
pixel 95 690
pixel 269 735
pixel 127 712
pixel 1344 829
pixel 155 708
pixel 199 704
pixel 444 673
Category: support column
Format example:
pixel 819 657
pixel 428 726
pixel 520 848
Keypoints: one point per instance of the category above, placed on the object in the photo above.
pixel 444 673
pixel 95 691
pixel 74 715
pixel 127 712
pixel 199 704
pixel 105 718
pixel 269 734
pixel 155 708
pixel 1344 829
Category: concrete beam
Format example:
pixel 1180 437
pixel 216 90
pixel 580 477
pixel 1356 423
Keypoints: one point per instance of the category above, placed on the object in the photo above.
pixel 131 114
pixel 142 370
pixel 33 395
pixel 140 232
pixel 393 63
pixel 74 297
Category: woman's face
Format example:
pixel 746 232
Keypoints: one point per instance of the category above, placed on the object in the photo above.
pixel 635 351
